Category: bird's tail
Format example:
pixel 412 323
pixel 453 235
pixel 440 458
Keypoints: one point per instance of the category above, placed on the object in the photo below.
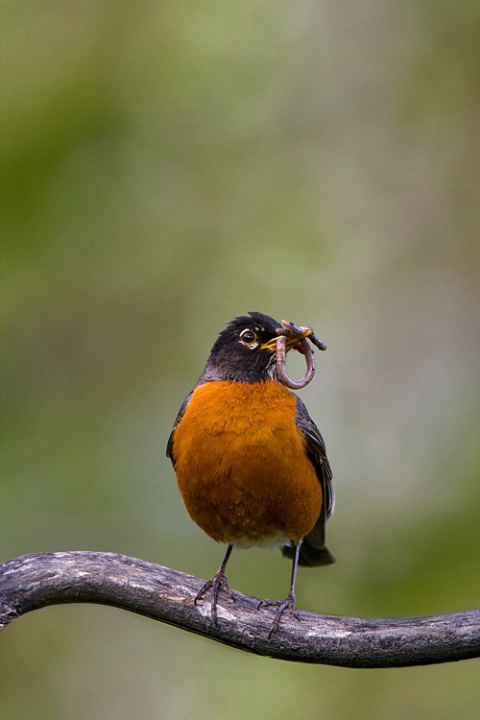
pixel 310 556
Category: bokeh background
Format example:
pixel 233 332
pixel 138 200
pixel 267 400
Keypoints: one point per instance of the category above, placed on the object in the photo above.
pixel 167 166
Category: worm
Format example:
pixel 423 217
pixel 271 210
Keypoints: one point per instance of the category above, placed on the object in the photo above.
pixel 290 331
pixel 281 353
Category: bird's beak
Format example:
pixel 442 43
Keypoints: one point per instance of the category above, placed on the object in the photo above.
pixel 294 335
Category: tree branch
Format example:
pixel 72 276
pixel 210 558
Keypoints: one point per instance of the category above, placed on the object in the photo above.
pixel 34 581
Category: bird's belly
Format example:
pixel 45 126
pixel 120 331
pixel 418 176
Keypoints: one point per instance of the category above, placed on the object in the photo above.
pixel 242 467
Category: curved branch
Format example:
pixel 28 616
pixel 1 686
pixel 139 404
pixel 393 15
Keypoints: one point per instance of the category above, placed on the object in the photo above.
pixel 34 581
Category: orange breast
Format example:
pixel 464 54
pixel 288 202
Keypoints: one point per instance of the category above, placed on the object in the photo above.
pixel 241 464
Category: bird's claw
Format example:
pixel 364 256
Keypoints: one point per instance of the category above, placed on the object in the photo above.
pixel 217 583
pixel 281 605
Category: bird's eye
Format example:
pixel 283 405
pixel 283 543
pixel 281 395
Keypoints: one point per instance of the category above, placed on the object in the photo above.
pixel 248 337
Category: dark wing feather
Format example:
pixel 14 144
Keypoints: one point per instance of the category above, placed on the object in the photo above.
pixel 180 414
pixel 313 550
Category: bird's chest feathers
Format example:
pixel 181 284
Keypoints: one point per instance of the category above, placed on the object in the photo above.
pixel 241 463
pixel 240 421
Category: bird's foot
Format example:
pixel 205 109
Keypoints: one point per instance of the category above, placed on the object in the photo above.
pixel 281 605
pixel 217 583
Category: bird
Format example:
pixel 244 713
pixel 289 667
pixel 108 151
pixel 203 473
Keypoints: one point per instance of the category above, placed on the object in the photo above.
pixel 251 464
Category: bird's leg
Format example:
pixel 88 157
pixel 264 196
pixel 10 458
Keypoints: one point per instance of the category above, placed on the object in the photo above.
pixel 217 583
pixel 289 602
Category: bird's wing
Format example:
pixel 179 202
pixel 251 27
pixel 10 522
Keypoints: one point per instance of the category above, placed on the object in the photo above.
pixel 313 551
pixel 180 414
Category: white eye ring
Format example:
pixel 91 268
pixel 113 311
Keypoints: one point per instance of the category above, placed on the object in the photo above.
pixel 248 338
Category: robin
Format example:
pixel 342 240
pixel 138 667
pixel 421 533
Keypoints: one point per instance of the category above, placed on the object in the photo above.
pixel 251 464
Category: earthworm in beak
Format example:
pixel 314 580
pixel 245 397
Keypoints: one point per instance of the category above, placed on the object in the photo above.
pixel 290 335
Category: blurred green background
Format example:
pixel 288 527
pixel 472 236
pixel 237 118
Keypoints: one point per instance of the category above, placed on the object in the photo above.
pixel 167 166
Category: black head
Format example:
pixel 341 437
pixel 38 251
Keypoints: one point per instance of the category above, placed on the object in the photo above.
pixel 239 354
